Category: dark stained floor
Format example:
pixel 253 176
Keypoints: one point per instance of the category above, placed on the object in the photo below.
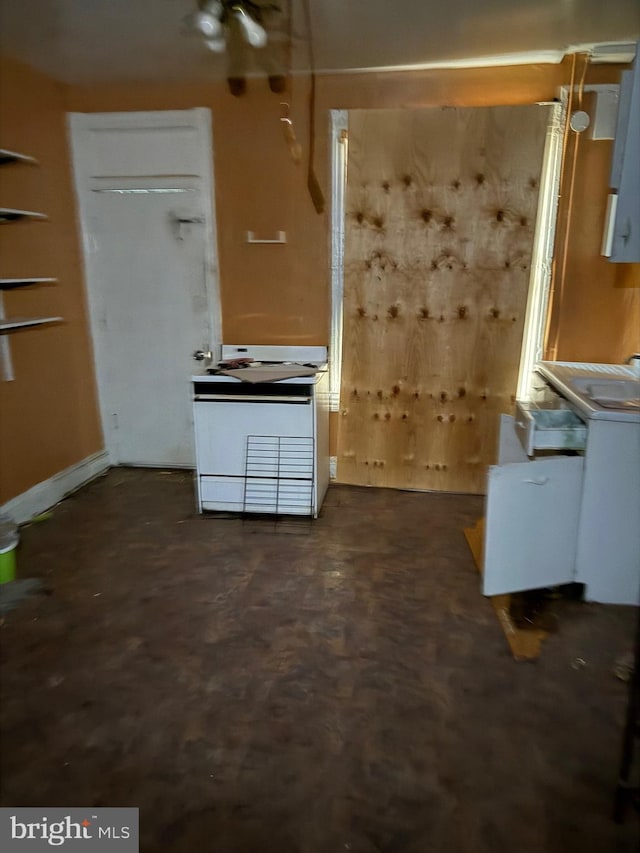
pixel 330 687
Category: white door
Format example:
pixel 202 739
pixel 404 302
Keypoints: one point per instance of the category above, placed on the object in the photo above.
pixel 145 190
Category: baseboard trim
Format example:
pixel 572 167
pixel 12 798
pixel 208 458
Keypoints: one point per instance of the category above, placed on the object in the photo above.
pixel 44 495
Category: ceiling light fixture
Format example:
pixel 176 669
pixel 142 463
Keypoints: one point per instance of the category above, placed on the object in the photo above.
pixel 254 34
pixel 213 18
pixel 207 20
pixel 207 24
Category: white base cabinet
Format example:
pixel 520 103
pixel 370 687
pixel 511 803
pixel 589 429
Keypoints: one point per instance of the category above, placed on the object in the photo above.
pixel 553 520
pixel 532 515
pixel 608 548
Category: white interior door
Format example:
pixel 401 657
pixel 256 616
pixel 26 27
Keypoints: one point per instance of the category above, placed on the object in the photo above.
pixel 145 190
pixel 151 274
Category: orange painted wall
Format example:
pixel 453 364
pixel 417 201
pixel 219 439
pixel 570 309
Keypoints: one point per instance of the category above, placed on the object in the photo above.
pixel 269 294
pixel 280 294
pixel 596 304
pixel 48 415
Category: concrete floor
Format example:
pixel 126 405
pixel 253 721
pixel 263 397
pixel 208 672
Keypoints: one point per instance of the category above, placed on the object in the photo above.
pixel 335 686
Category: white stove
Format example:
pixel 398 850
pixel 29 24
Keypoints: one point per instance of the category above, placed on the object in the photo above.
pixel 262 444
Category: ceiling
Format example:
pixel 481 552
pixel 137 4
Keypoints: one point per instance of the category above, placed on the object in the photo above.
pixel 91 41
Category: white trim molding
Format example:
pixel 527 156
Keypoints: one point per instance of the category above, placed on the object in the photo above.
pixel 542 255
pixel 339 153
pixel 49 492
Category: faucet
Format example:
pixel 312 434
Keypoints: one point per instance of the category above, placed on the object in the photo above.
pixel 634 361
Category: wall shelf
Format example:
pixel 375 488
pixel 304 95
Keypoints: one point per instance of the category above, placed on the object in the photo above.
pixel 11 283
pixel 11 214
pixel 8 325
pixel 7 156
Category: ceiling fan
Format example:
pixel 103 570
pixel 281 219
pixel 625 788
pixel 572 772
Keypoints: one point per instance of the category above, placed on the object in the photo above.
pixel 213 18
pixel 235 27
pixel 240 28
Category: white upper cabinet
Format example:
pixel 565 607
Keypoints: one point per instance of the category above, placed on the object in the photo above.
pixel 625 171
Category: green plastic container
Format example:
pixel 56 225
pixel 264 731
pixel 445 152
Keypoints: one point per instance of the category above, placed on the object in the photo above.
pixel 8 563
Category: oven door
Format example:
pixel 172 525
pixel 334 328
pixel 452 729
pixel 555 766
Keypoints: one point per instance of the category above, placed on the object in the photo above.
pixel 223 426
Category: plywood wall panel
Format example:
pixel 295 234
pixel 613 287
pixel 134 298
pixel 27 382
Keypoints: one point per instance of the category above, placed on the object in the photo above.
pixel 440 210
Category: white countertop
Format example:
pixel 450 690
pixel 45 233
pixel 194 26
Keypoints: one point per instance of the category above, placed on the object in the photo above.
pixel 292 380
pixel 561 374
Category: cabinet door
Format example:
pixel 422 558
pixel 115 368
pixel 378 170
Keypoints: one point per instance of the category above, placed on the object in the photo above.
pixel 626 234
pixel 531 524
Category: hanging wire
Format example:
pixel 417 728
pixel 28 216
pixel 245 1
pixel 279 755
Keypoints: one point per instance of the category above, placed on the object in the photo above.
pixel 288 130
pixel 295 149
pixel 315 190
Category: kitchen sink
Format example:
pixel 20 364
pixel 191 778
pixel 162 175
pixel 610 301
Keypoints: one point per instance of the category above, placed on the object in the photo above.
pixel 607 391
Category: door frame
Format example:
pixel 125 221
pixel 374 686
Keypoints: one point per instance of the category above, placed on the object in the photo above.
pixel 78 124
pixel 339 148
pixel 537 310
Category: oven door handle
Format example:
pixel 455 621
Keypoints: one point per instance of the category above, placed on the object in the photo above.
pixel 248 398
